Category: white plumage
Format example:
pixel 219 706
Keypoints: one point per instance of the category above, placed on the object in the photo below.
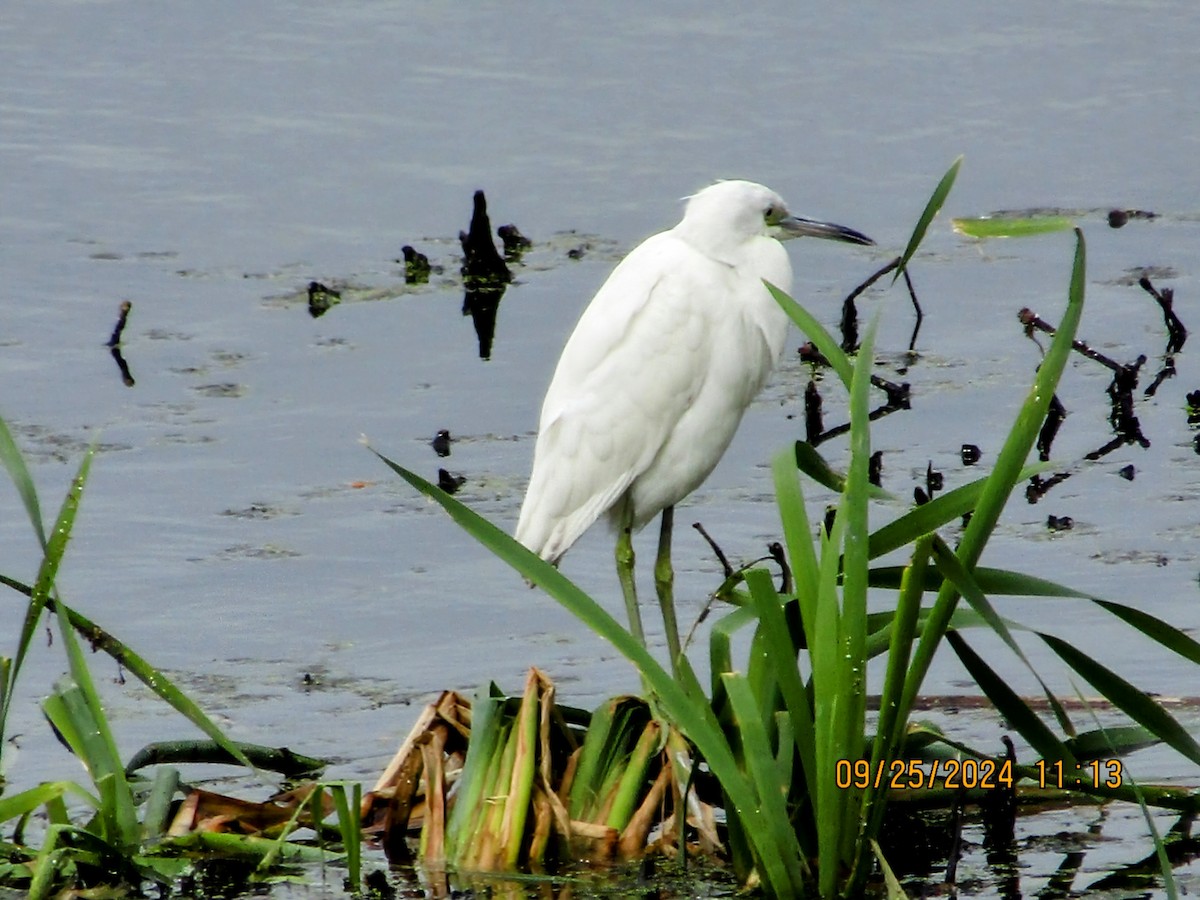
pixel 653 382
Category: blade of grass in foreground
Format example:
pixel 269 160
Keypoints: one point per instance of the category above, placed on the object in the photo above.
pixel 41 597
pixel 1160 850
pixel 797 532
pixel 941 510
pixel 1130 699
pixel 763 770
pixel 43 587
pixel 782 658
pixel 964 582
pixel 1009 704
pixel 73 713
pixel 97 748
pixel 902 635
pixel 932 208
pixel 856 566
pixel 824 341
pixel 135 665
pixel 1006 473
pixel 14 462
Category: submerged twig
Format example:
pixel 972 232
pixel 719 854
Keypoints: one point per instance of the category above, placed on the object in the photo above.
pixel 321 298
pixel 1167 371
pixel 123 317
pixel 875 468
pixel 912 293
pixel 1177 333
pixel 956 842
pixel 775 549
pixel 122 366
pixel 720 554
pixel 898 394
pixel 272 759
pixel 114 344
pixel 897 399
pixel 1054 419
pixel 1039 487
pixel 734 576
pixel 849 323
pixel 813 421
pixel 890 267
pixel 1032 321
pixel 934 480
pixel 810 354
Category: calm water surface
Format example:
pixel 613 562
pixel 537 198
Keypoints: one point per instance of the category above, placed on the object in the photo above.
pixel 205 162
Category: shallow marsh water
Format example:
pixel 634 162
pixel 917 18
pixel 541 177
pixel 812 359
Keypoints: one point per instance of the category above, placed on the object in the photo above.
pixel 207 162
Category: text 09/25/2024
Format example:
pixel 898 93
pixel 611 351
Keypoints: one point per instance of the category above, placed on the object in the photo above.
pixel 973 774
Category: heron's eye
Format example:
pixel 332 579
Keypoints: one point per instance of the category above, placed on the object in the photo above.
pixel 773 214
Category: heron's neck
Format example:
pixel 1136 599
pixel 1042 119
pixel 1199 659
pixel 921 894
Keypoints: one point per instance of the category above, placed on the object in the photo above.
pixel 718 245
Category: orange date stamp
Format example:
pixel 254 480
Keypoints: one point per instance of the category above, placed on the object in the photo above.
pixel 915 774
pixel 975 774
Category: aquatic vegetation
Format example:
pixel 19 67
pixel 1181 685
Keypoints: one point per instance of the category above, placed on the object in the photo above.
pixel 778 768
pixel 804 774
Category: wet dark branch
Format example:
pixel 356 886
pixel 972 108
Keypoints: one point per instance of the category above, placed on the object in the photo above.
pixel 1033 322
pixel 1176 332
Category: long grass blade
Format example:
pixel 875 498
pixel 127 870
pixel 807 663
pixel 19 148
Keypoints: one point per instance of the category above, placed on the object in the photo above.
pixel 797 532
pixel 890 728
pixel 41 597
pixel 102 640
pixel 1006 473
pixel 16 805
pixel 936 200
pixel 14 463
pixel 852 664
pixel 1005 582
pixel 966 585
pixel 1160 851
pixel 1135 703
pixel 472 781
pixel 1008 703
pixel 895 890
pixel 781 657
pixel 1020 440
pixel 55 547
pixel 92 743
pixel 788 868
pixel 1154 628
pixel 811 463
pixel 942 510
pixel 830 705
pixel 997 582
pixel 519 797
pixel 822 339
pixel 1119 740
pixel 347 800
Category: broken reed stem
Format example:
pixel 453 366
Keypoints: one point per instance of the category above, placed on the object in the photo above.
pixel 1032 321
pixel 115 339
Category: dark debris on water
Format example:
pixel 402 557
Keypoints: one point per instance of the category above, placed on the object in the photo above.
pixel 450 482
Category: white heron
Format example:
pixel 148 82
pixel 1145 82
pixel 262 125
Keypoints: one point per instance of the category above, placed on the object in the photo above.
pixel 654 380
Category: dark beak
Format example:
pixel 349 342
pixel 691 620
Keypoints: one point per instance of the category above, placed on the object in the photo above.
pixel 796 226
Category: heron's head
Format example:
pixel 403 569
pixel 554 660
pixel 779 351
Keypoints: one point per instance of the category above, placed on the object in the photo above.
pixel 734 211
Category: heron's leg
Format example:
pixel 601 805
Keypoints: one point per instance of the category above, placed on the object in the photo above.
pixel 628 587
pixel 664 584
